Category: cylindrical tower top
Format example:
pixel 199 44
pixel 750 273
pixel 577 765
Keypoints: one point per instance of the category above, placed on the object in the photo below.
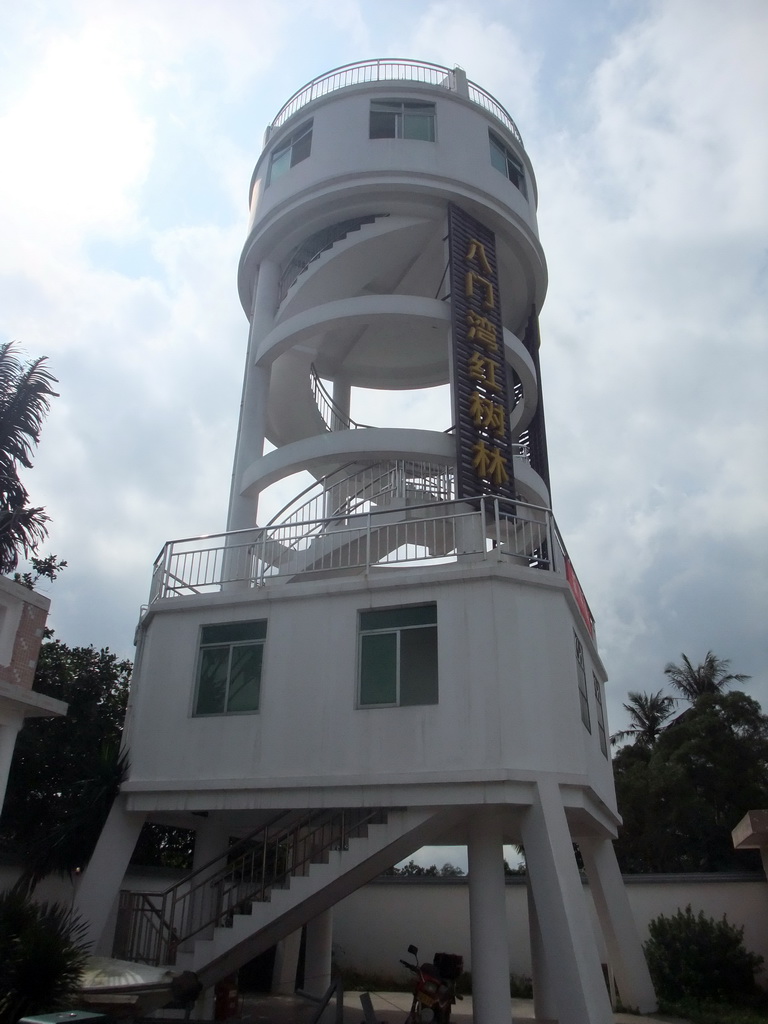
pixel 394 137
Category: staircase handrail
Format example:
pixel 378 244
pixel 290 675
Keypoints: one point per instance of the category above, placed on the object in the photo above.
pixel 240 880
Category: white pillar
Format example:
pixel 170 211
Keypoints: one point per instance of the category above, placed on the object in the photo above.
pixel 342 396
pixel 580 992
pixel 317 953
pixel 286 964
pixel 8 732
pixel 100 884
pixel 253 409
pixel 618 924
pixel 211 841
pixel 488 920
pixel 544 1004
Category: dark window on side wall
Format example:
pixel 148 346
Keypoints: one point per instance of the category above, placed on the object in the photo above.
pixel 504 160
pixel 402 119
pixel 229 668
pixel 600 714
pixel 290 152
pixel 398 656
pixel 582 673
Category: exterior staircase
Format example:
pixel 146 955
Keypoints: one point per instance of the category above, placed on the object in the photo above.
pixel 272 882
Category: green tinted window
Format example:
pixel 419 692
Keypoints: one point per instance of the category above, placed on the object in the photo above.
pixel 378 668
pixel 229 668
pixel 398 656
pixel 394 618
pixel 402 119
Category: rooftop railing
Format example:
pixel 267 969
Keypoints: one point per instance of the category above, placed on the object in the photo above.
pixel 407 534
pixel 393 70
pixel 442 532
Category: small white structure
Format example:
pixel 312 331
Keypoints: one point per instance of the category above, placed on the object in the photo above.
pixel 23 613
pixel 403 655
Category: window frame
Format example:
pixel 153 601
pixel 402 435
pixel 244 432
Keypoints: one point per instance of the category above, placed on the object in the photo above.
pixel 401 117
pixel 231 645
pixel 392 628
pixel 581 672
pixel 304 131
pixel 514 169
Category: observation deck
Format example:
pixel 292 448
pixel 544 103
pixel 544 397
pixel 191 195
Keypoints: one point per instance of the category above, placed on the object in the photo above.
pixel 363 72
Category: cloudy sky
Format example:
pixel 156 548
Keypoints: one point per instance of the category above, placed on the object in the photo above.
pixel 128 133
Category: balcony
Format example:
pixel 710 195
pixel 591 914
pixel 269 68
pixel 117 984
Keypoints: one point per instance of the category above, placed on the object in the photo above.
pixel 366 71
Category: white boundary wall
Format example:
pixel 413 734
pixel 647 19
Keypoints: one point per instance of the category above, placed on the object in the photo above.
pixel 373 928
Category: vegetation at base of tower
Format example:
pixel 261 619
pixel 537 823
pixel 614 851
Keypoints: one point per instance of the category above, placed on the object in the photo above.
pixel 25 394
pixel 711 676
pixel 647 714
pixel 42 956
pixel 685 781
pixel 66 771
pixel 691 956
pixel 414 870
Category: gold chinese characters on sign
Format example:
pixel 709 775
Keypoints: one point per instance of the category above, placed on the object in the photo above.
pixel 480 381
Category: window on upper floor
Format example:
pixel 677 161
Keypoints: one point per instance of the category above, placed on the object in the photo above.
pixel 229 668
pixel 504 160
pixel 402 119
pixel 582 673
pixel 600 715
pixel 291 151
pixel 398 656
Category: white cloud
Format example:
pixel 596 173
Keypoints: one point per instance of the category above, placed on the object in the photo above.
pixel 133 131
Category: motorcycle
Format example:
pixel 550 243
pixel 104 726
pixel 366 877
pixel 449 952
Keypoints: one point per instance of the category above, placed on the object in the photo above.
pixel 434 991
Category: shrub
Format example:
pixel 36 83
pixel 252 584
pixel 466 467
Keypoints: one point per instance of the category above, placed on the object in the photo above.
pixel 697 957
pixel 41 956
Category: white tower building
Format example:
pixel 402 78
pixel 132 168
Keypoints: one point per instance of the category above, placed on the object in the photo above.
pixel 403 654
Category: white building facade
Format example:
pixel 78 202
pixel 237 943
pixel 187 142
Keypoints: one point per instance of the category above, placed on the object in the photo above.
pixel 402 655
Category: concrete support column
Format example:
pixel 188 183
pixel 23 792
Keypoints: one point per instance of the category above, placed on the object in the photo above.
pixel 342 396
pixel 211 840
pixel 544 1004
pixel 100 884
pixel 618 924
pixel 317 953
pixel 488 920
pixel 9 730
pixel 576 977
pixel 286 964
pixel 253 408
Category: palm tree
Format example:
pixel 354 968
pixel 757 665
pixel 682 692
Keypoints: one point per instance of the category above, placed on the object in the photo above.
pixel 25 394
pixel 647 714
pixel 712 676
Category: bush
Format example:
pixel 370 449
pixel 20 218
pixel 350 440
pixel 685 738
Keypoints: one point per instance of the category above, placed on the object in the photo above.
pixel 697 957
pixel 41 956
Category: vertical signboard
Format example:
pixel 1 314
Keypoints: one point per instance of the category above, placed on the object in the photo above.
pixel 484 453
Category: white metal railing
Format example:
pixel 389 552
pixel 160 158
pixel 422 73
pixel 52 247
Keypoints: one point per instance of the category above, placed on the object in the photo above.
pixel 366 71
pixel 333 417
pixel 341 494
pixel 441 531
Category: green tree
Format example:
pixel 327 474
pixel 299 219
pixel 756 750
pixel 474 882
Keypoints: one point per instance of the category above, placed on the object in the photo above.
pixel 66 771
pixel 681 797
pixel 693 956
pixel 25 394
pixel 647 714
pixel 711 676
pixel 41 956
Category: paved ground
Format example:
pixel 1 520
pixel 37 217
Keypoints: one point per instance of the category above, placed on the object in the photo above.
pixel 389 1008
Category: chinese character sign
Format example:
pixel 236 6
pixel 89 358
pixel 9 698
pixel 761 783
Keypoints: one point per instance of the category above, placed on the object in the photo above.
pixel 484 454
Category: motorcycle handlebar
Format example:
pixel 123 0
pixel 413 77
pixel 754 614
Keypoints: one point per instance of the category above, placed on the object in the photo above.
pixel 411 967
